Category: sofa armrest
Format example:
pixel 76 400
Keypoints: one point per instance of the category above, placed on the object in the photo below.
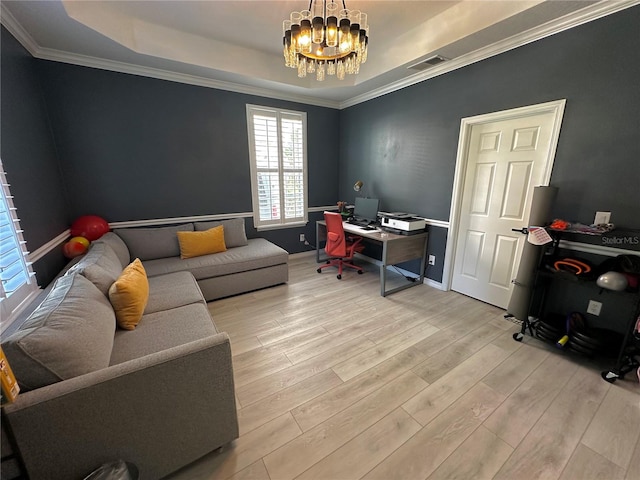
pixel 160 412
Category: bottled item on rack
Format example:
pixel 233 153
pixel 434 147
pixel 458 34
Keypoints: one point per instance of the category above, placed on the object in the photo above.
pixel 576 227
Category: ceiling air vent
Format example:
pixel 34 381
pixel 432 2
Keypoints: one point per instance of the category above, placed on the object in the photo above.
pixel 428 63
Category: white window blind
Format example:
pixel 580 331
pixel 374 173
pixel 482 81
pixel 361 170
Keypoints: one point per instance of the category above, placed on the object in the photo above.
pixel 16 275
pixel 278 155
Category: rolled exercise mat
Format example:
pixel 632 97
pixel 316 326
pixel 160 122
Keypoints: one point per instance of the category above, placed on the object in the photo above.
pixel 541 203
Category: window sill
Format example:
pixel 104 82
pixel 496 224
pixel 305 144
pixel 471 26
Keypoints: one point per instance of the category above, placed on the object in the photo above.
pixel 264 228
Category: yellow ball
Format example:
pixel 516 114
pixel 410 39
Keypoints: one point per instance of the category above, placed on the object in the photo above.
pixel 81 240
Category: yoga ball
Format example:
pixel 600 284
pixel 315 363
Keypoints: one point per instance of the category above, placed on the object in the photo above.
pixel 90 227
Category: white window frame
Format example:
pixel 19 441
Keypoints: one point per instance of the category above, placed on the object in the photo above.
pixel 278 197
pixel 12 303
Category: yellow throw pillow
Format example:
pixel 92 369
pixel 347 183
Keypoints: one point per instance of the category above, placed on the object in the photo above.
pixel 195 244
pixel 129 295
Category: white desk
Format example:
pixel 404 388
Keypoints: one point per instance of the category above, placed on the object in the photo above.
pixel 395 249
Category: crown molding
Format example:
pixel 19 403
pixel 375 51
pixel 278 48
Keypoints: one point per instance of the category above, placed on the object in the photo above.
pixel 12 25
pixel 121 67
pixel 567 22
pixel 552 27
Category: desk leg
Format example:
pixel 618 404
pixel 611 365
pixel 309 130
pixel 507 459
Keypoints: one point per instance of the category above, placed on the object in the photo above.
pixel 423 263
pixel 383 271
pixel 321 236
pixel 383 268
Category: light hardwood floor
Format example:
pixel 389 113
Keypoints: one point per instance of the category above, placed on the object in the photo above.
pixel 335 382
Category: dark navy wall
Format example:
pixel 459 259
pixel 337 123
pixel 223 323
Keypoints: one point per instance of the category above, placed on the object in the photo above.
pixel 404 144
pixel 134 148
pixel 129 148
pixel 29 156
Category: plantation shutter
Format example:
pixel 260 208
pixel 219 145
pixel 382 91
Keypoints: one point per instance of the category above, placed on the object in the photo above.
pixel 277 147
pixel 16 276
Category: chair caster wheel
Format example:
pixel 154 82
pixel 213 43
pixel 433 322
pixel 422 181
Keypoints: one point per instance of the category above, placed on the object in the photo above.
pixel 610 376
pixel 339 277
pixel 360 272
pixel 319 270
pixel 518 336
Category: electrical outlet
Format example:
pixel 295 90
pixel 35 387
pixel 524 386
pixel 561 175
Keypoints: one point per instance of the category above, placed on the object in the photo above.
pixel 594 307
pixel 302 239
pixel 602 217
pixel 432 259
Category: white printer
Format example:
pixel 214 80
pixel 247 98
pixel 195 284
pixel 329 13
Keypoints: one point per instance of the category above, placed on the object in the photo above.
pixel 404 223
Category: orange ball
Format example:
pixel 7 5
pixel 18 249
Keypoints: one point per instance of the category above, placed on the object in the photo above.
pixel 73 249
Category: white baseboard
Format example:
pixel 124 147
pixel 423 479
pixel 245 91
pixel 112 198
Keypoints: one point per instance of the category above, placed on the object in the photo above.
pixel 434 284
pixel 310 253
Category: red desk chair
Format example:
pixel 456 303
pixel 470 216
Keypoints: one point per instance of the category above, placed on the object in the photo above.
pixel 340 248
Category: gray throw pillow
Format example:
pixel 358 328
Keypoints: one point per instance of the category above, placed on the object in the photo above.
pixel 69 334
pixel 100 265
pixel 234 233
pixel 155 242
pixel 118 246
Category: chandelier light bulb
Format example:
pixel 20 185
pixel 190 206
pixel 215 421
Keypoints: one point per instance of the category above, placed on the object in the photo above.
pixel 320 71
pixel 302 67
pixel 340 69
pixel 305 32
pixel 325 40
pixel 317 22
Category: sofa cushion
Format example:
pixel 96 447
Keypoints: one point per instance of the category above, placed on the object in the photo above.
pixel 234 232
pixel 100 265
pixel 162 330
pixel 129 295
pixel 152 243
pixel 258 253
pixel 118 246
pixel 71 333
pixel 171 291
pixel 195 244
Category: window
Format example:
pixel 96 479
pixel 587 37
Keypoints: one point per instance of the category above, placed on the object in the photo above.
pixel 278 154
pixel 16 276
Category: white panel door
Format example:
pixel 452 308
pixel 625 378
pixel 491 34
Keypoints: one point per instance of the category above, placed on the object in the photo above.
pixel 506 160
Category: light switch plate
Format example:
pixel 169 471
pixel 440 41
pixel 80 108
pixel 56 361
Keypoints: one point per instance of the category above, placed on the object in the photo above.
pixel 594 307
pixel 602 217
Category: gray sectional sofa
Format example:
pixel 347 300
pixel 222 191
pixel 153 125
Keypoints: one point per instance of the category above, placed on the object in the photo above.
pixel 159 396
pixel 248 264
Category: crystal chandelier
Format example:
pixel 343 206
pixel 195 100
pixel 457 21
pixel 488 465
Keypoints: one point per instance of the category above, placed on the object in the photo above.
pixel 326 40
